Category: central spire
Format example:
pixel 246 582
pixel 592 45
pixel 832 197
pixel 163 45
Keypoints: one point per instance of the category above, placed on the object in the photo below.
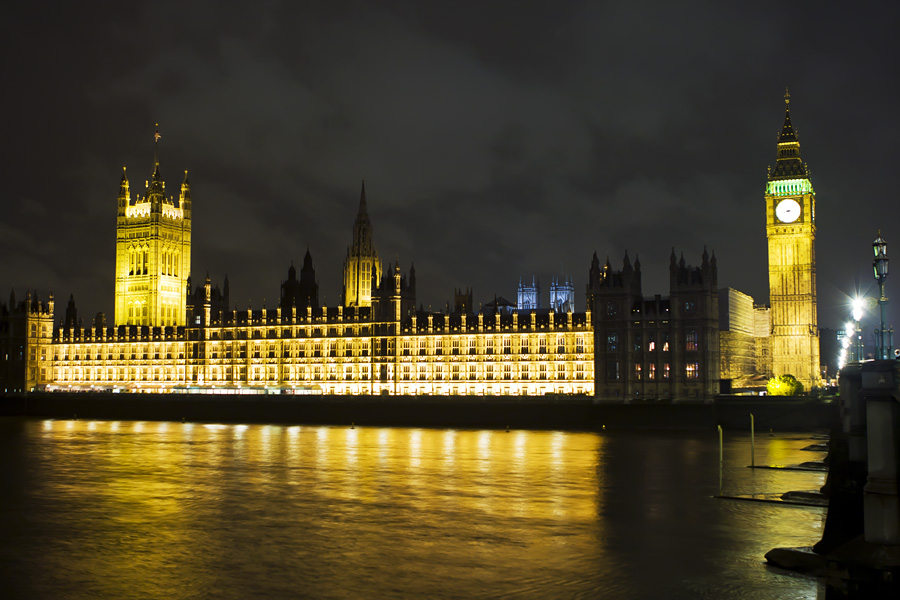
pixel 362 264
pixel 156 137
pixel 788 164
pixel 363 225
pixel 363 209
pixel 787 130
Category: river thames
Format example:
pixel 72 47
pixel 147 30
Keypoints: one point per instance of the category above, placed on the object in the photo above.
pixel 125 509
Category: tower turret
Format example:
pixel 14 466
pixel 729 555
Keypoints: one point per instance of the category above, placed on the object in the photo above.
pixel 184 199
pixel 153 252
pixel 124 194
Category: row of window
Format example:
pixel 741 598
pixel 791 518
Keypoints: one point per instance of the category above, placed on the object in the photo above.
pixel 691 342
pixel 329 372
pixel 650 373
pixel 139 261
pixel 319 348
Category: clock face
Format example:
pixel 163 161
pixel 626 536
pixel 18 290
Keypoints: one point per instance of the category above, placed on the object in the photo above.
pixel 787 211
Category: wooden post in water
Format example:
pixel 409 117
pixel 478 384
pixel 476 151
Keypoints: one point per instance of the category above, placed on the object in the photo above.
pixel 752 441
pixel 720 459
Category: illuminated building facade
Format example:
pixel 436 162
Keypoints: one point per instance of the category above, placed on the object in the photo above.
pixel 529 294
pixel 26 343
pixel 791 232
pixel 153 253
pixel 652 349
pixel 743 340
pixel 333 350
pixel 562 294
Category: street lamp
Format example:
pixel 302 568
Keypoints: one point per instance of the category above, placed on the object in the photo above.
pixel 880 266
pixel 857 313
pixel 849 341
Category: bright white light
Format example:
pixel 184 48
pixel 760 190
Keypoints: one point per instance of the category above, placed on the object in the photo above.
pixel 845 342
pixel 858 305
pixel 850 329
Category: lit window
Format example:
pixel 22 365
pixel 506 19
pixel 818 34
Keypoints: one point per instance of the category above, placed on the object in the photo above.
pixel 692 370
pixel 611 341
pixel 690 340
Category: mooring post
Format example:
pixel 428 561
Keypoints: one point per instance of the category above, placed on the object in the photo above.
pixel 720 459
pixel 752 441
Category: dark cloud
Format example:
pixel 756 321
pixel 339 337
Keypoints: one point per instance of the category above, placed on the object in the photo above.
pixel 496 139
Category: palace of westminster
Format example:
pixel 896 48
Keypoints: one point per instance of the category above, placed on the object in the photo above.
pixel 170 337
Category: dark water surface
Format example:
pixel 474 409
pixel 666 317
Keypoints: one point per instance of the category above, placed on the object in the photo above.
pixel 170 510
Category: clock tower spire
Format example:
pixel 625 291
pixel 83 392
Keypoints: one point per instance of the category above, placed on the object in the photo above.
pixel 791 231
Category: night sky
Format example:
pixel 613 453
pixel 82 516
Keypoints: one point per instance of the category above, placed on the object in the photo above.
pixel 497 139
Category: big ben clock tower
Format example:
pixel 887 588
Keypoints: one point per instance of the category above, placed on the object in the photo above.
pixel 791 231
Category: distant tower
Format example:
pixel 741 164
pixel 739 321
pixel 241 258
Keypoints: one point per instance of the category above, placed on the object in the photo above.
pixel 462 301
pixel 394 297
pixel 791 230
pixel 153 252
pixel 362 264
pixel 562 294
pixel 529 294
pixel 300 293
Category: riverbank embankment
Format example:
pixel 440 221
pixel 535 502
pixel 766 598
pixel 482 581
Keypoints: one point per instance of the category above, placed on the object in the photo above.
pixel 495 412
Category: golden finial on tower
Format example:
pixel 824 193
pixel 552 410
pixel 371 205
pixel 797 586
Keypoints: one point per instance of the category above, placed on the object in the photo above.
pixel 156 135
pixel 787 96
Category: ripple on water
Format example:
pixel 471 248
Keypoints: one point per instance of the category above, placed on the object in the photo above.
pixel 135 510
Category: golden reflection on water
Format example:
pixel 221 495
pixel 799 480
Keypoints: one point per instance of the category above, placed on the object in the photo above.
pixel 172 501
pixel 489 470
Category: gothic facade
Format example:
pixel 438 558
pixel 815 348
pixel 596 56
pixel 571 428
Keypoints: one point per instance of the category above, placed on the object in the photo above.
pixel 529 294
pixel 26 343
pixel 655 349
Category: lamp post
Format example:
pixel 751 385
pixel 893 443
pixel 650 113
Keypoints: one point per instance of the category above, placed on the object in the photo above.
pixel 880 266
pixel 857 314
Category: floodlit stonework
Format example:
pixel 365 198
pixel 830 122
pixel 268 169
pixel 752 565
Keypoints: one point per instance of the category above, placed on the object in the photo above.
pixel 791 231
pixel 153 252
